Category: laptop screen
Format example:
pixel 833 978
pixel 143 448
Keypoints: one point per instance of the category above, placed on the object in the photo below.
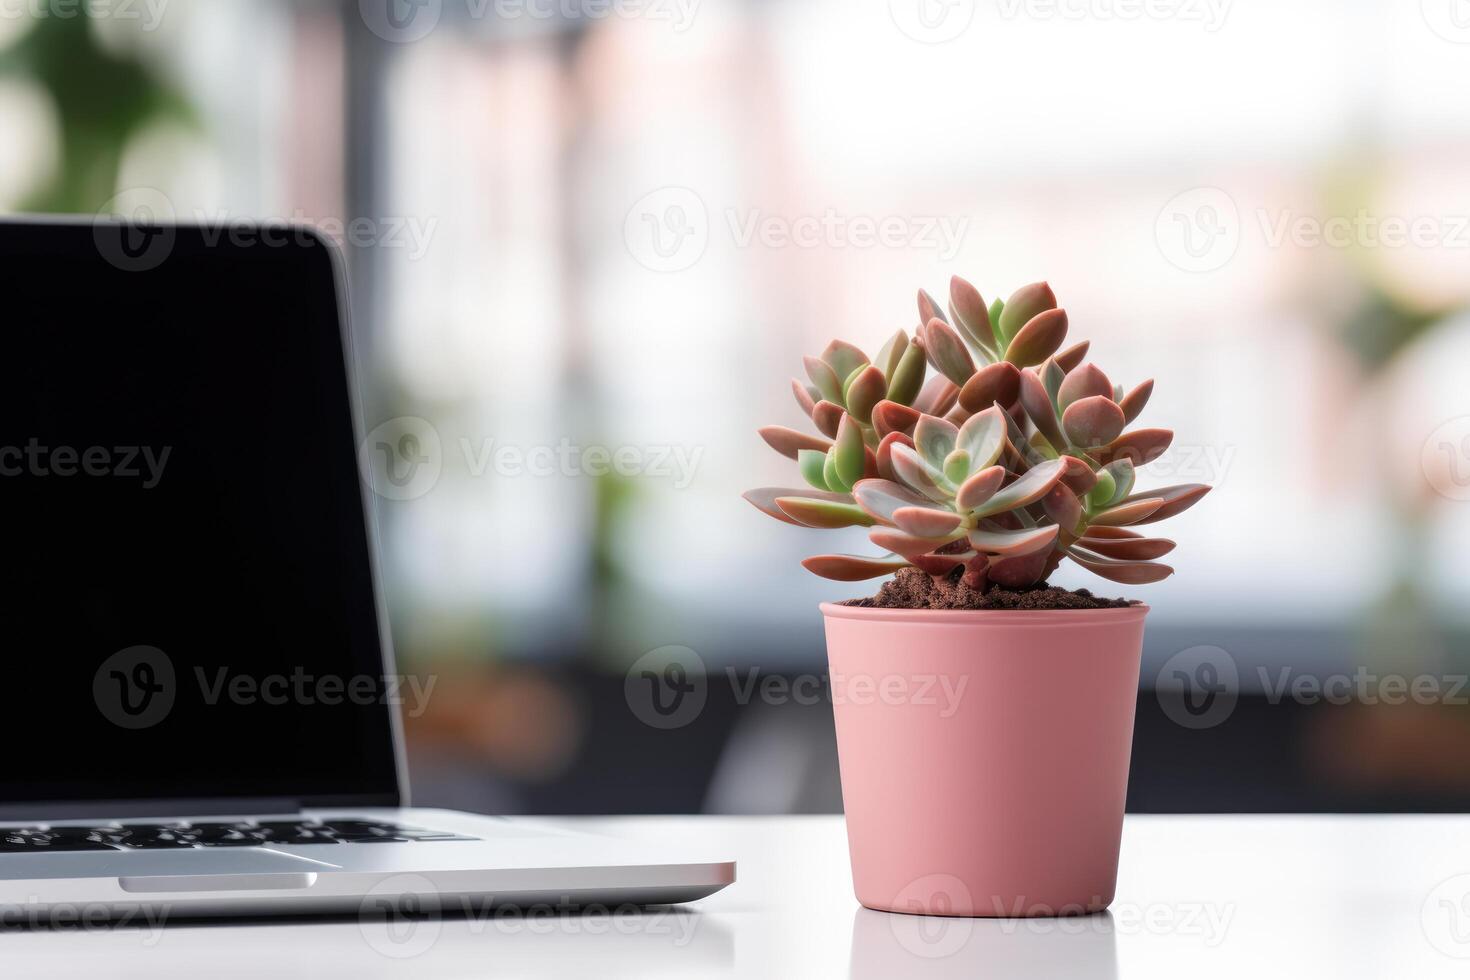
pixel 186 587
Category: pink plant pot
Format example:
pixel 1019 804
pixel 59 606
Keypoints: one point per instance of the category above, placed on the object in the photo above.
pixel 984 755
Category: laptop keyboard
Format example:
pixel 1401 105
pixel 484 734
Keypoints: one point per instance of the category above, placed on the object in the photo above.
pixel 249 833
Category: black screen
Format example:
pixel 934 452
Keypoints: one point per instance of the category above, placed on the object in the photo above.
pixel 188 609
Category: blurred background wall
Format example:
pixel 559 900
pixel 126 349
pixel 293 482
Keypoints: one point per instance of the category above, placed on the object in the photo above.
pixel 589 241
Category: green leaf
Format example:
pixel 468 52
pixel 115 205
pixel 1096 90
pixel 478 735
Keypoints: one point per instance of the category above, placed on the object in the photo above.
pixel 1103 492
pixel 849 458
pixel 823 513
pixel 811 463
pixel 829 472
pixel 957 467
pixel 908 377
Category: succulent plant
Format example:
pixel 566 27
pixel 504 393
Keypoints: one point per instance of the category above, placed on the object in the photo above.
pixel 1013 456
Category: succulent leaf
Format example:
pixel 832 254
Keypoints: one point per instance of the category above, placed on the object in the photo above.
pixel 1140 446
pixel 1133 402
pixel 828 416
pixel 764 499
pixel 883 498
pixel 907 544
pixel 1127 549
pixel 829 472
pixel 1040 410
pixel 979 488
pixel 1013 542
pixel 824 378
pixel 788 442
pixel 983 436
pixel 926 521
pixel 1124 572
pixel 850 568
pixel 1024 304
pixel 971 315
pixel 908 377
pixel 935 439
pixel 891 353
pixel 848 453
pixel 1123 474
pixel 884 457
pixel 823 513
pixel 1019 571
pixel 1121 515
pixel 865 391
pixel 813 465
pixel 938 397
pixel 1052 377
pixel 1176 500
pixel 890 416
pixel 843 358
pixel 957 467
pixel 929 309
pixel 1068 359
pixel 806 396
pixel 1084 382
pixel 998 383
pixel 1104 491
pixel 1078 475
pixel 1030 487
pixel 947 352
pixel 1063 507
pixel 916 474
pixel 1038 339
pixel 1092 421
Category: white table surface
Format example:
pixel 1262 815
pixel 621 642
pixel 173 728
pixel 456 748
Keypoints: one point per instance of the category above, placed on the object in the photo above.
pixel 1198 897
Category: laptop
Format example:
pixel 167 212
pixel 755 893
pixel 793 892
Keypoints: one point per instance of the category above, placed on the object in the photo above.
pixel 203 710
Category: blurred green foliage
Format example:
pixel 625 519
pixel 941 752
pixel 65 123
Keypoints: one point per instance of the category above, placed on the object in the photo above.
pixel 102 99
